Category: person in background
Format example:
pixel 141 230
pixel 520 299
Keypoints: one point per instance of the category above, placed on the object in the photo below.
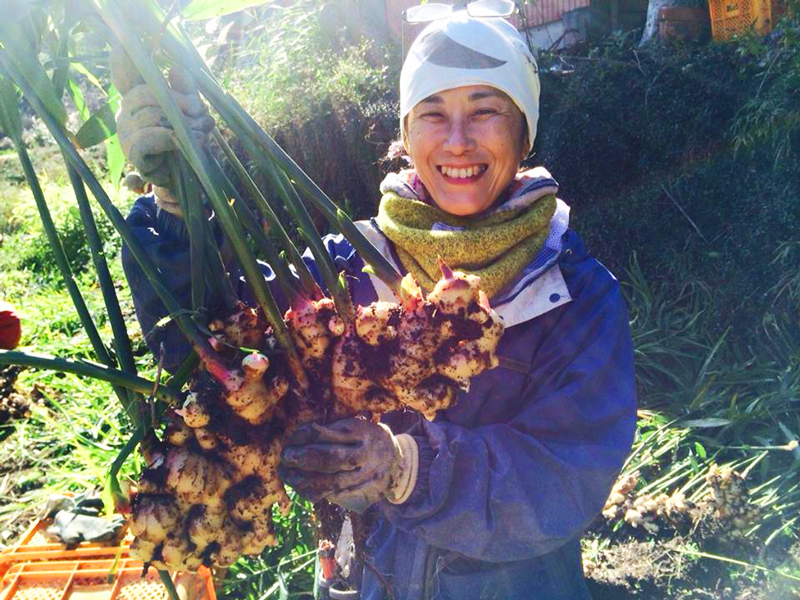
pixel 488 500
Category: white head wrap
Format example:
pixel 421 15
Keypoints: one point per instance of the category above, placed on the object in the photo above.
pixel 462 51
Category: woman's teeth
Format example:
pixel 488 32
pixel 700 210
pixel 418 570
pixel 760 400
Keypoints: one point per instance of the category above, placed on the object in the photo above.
pixel 462 173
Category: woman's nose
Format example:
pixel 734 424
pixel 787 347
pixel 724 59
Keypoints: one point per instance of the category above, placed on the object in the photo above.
pixel 459 138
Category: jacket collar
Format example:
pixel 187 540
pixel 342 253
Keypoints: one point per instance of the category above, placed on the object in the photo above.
pixel 544 293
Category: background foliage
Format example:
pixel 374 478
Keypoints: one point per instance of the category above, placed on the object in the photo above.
pixel 327 95
pixel 680 166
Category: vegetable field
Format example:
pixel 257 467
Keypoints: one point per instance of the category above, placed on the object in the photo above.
pixel 703 232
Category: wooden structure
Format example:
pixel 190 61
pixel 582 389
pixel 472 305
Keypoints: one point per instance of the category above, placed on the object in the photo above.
pixel 538 13
pixel 550 23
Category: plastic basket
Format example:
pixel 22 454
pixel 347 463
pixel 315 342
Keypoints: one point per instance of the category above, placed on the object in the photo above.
pixel 37 570
pixel 735 17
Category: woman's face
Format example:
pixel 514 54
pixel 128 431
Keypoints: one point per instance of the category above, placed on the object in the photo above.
pixel 466 144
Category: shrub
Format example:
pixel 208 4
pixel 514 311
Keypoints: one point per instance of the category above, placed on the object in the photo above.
pixel 771 117
pixel 327 95
pixel 642 144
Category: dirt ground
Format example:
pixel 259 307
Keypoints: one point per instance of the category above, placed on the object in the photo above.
pixel 16 478
pixel 670 568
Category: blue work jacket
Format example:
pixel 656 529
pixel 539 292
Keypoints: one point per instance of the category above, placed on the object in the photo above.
pixel 517 469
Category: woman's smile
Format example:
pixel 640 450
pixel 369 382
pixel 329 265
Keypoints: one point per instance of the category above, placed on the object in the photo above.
pixel 462 174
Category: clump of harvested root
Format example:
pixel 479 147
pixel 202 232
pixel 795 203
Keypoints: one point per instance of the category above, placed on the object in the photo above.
pixel 730 499
pixel 207 495
pixel 649 512
pixel 312 325
pixel 470 322
pixel 248 390
pixel 244 328
pixel 415 353
pixel 728 504
pixel 419 351
pixel 206 499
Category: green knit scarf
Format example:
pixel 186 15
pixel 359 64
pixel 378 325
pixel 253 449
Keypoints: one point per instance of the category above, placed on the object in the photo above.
pixel 495 246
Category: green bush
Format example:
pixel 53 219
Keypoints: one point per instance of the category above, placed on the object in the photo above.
pixel 771 117
pixel 328 97
pixel 39 258
pixel 21 231
pixel 624 116
pixel 644 143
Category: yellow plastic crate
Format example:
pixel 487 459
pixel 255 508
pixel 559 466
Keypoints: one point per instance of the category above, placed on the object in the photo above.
pixel 37 570
pixel 735 17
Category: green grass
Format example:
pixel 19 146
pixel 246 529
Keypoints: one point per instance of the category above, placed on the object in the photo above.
pixel 706 397
pixel 76 426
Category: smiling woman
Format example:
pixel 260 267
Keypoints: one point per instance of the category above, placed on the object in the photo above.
pixel 488 499
pixel 504 483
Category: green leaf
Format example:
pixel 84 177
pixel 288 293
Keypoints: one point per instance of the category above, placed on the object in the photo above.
pixel 100 126
pixel 78 100
pixel 9 109
pixel 695 466
pixel 61 73
pixel 283 594
pixel 701 451
pixel 207 9
pixel 114 98
pixel 23 55
pixel 112 494
pixel 89 75
pixel 169 584
pixel 115 158
pixel 709 422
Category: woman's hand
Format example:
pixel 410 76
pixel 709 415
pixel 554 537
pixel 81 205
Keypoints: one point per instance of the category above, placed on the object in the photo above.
pixel 353 463
pixel 145 134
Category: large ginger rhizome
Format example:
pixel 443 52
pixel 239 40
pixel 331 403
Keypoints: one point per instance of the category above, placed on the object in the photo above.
pixel 208 492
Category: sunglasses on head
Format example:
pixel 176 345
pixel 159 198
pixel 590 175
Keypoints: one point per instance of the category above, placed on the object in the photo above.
pixel 478 9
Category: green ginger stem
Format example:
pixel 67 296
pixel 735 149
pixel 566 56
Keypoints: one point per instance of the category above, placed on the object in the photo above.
pixel 93 370
pixel 174 309
pixel 115 19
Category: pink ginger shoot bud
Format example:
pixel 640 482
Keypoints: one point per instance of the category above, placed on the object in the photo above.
pixel 255 365
pixel 447 272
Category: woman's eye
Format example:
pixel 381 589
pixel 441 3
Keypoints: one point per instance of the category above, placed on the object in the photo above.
pixel 431 115
pixel 485 112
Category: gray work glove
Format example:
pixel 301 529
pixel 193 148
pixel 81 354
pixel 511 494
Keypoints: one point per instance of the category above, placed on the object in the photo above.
pixel 353 463
pixel 77 519
pixel 70 528
pixel 145 134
